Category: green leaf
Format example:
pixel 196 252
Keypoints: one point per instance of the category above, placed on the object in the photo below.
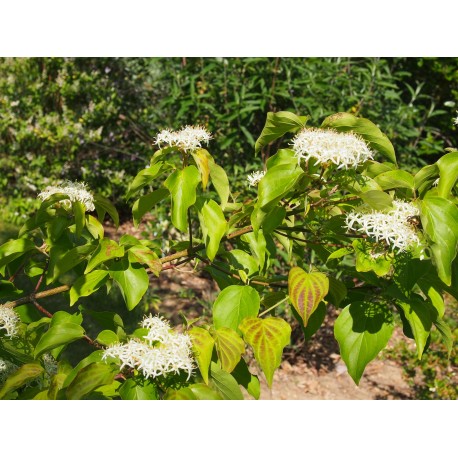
pixel 102 206
pixel 182 186
pixel 276 183
pixel 146 203
pixel 220 183
pixel 425 177
pixel 57 335
pixel 94 357
pixel 306 291
pixel 229 346
pixel 448 171
pixel 367 261
pixel 138 389
pixel 61 317
pixel 204 393
pixel 94 227
pixel 277 125
pixel 144 177
pixel 378 200
pixel 337 291
pixel 184 394
pixel 233 304
pixel 87 284
pixel 7 289
pixel 340 253
pixel 225 383
pixel 213 224
pixel 202 344
pixel 89 378
pixel 133 282
pixel 12 250
pixel 315 321
pixel 395 179
pixel 439 218
pixel 24 374
pixel 446 334
pixel 420 318
pixel 245 378
pixel 377 141
pixel 362 330
pixel 61 260
pixel 107 337
pixel 267 337
pixel 79 212
pixel 107 249
pixel 144 255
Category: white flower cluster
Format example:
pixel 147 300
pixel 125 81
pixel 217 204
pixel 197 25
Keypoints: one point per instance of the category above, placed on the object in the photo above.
pixel 9 320
pixel 189 138
pixel 327 145
pixel 166 351
pixel 392 226
pixel 6 369
pixel 255 177
pixel 77 192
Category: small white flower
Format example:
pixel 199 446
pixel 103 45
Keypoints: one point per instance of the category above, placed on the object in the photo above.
pixel 327 145
pixel 6 369
pixel 77 192
pixel 391 226
pixel 255 177
pixel 188 138
pixel 165 351
pixel 9 320
pixel 455 120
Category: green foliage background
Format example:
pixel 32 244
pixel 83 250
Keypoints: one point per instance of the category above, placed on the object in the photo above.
pixel 95 119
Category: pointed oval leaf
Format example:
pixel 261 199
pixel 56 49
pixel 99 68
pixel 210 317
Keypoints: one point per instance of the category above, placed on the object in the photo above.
pixel 248 380
pixel 133 282
pixel 86 285
pixel 226 385
pixel 213 224
pixel 24 374
pixel 378 141
pixel 233 304
pixel 448 171
pixel 107 249
pixel 306 291
pixel 362 330
pixel 220 183
pixel 89 378
pixel 420 316
pixel 146 203
pixel 144 255
pixel 138 389
pixel 439 218
pixel 57 335
pixel 182 186
pixel 230 348
pixel 277 125
pixel 395 179
pixel 143 178
pixel 102 206
pixel 267 337
pixel 202 159
pixel 202 345
pixel 204 393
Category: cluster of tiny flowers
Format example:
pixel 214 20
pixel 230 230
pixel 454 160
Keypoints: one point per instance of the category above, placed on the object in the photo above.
pixel 6 368
pixel 8 321
pixel 255 177
pixel 391 226
pixel 77 192
pixel 165 352
pixel 189 138
pixel 50 364
pixel 327 145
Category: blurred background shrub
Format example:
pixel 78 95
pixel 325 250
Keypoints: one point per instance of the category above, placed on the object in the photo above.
pixel 95 119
